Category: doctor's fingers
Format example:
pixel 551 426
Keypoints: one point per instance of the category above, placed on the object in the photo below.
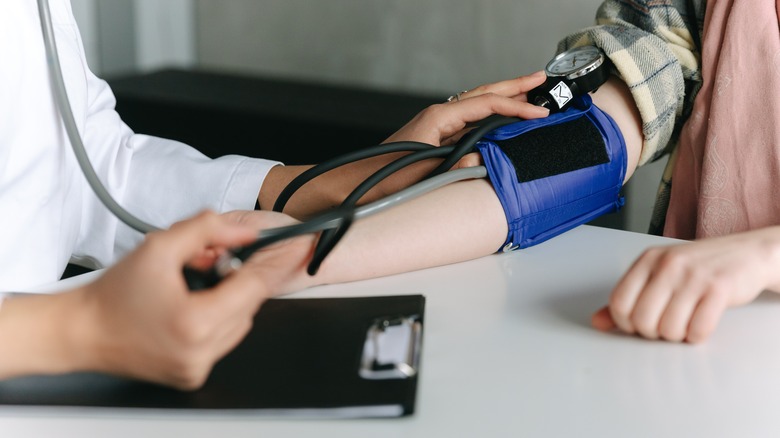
pixel 509 88
pixel 190 238
pixel 196 360
pixel 453 118
pixel 440 122
pixel 260 220
pixel 210 313
pixel 190 362
pixel 238 296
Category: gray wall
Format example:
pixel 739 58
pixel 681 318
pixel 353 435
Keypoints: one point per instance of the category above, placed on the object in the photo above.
pixel 128 36
pixel 429 46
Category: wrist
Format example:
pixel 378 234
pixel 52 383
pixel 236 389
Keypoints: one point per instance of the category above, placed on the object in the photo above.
pixel 81 332
pixel 69 331
pixel 41 334
pixel 307 199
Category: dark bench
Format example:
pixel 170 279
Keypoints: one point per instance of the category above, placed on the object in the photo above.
pixel 294 122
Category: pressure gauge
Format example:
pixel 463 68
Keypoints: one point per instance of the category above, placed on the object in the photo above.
pixel 572 73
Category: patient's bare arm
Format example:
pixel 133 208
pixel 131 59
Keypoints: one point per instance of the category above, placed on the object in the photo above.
pixel 615 99
pixel 458 222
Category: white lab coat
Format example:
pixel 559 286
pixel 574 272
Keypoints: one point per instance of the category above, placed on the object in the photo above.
pixel 48 213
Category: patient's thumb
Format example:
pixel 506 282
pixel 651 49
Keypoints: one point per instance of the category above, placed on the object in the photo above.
pixel 602 320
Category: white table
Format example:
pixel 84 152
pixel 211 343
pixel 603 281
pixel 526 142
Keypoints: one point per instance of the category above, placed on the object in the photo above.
pixel 508 351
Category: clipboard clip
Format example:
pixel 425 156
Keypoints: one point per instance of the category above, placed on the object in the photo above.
pixel 392 348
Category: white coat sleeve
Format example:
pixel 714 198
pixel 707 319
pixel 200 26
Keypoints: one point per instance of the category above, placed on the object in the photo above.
pixel 160 181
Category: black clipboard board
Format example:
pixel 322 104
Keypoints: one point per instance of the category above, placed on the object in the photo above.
pixel 312 357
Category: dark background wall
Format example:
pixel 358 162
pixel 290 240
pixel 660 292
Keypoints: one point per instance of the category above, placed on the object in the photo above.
pixel 291 121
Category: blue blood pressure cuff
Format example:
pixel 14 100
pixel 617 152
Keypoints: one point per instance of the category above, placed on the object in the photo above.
pixel 555 173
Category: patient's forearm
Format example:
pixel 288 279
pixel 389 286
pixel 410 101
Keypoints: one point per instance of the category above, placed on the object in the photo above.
pixel 458 222
pixel 329 190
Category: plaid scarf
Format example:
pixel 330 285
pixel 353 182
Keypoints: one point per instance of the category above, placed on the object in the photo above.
pixel 651 45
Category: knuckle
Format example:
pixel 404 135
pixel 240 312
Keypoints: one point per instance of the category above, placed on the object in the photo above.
pixel 433 113
pixel 647 258
pixel 694 275
pixel 697 334
pixel 154 237
pixel 717 291
pixel 670 333
pixel 482 89
pixel 489 96
pixel 154 241
pixel 622 318
pixel 652 253
pixel 207 214
pixel 203 217
pixel 645 327
pixel 670 336
pixel 674 260
pixel 209 217
pixel 703 325
pixel 709 286
pixel 619 306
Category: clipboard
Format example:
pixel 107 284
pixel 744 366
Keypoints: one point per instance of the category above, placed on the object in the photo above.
pixel 314 357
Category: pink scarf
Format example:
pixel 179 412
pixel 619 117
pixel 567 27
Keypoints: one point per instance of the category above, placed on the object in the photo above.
pixel 727 175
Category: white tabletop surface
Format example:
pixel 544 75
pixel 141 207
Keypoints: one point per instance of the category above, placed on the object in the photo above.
pixel 508 351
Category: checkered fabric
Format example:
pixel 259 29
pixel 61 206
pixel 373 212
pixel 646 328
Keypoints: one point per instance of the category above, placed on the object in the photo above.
pixel 653 51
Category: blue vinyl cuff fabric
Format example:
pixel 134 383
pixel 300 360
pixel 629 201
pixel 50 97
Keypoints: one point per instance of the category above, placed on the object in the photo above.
pixel 543 208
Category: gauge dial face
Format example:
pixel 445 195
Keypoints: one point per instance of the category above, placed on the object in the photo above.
pixel 574 60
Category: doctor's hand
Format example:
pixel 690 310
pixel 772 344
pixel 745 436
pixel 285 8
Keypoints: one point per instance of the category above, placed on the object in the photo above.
pixel 679 293
pixel 282 266
pixel 444 124
pixel 143 322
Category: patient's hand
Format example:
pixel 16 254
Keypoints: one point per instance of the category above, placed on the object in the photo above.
pixel 679 293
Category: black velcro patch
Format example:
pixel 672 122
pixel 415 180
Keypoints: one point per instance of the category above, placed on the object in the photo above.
pixel 556 149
